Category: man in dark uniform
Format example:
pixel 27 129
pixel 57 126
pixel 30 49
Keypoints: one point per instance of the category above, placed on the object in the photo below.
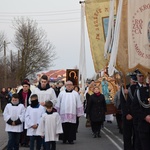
pixel 126 97
pixel 135 110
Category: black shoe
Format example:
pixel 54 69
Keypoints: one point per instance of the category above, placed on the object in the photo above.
pixel 26 145
pixel 64 141
pixel 99 135
pixel 23 144
pixel 71 142
pixel 108 121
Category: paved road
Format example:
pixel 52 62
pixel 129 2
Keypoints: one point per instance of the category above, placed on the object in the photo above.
pixel 3 134
pixel 111 139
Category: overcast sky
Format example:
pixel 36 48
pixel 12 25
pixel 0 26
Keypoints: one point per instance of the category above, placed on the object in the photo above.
pixel 61 21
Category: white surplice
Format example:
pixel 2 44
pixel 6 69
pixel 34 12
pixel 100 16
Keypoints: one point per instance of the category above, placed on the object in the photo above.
pixel 45 95
pixel 14 112
pixel 50 126
pixel 32 117
pixel 69 106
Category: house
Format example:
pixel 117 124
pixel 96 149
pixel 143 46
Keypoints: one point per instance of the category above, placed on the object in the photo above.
pixel 54 75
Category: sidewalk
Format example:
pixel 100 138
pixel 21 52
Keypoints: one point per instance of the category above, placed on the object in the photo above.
pixel 3 134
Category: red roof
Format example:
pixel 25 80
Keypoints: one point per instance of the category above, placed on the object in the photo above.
pixel 56 74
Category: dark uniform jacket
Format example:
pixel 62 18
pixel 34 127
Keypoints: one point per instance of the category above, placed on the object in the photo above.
pixel 141 108
pixel 126 104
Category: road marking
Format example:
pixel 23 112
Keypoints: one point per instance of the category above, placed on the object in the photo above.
pixel 119 148
pixel 119 139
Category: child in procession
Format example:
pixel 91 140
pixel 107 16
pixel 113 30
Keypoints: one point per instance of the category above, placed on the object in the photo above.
pixel 50 126
pixel 14 118
pixel 32 119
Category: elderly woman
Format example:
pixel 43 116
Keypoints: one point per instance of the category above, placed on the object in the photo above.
pixel 96 111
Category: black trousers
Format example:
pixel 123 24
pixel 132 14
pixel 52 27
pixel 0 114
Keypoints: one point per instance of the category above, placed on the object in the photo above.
pixel 96 126
pixel 119 122
pixel 24 139
pixel 128 134
pixel 69 132
pixel 137 142
pixel 145 140
pixel 51 145
pixel 77 124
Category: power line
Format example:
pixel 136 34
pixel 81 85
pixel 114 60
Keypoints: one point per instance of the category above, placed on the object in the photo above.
pixel 57 22
pixel 38 14
pixel 46 20
pixel 4 16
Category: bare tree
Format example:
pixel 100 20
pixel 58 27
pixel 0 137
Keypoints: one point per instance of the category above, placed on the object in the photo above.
pixel 2 39
pixel 35 51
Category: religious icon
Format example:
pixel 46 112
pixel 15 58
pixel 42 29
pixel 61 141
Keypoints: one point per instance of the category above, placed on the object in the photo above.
pixel 72 75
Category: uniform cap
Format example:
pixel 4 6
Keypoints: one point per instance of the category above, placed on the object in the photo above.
pixel 133 77
pixel 138 72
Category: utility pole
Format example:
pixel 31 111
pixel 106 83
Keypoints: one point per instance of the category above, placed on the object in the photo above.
pixel 5 74
pixel 5 68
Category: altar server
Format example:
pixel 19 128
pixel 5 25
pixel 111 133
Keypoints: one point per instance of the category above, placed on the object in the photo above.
pixel 44 91
pixel 32 119
pixel 14 117
pixel 50 126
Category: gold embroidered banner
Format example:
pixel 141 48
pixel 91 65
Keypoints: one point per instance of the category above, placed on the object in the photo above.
pixel 139 34
pixel 122 55
pixel 97 16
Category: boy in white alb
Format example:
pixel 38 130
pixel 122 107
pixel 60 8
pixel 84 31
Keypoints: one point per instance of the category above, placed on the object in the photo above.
pixel 14 118
pixel 32 119
pixel 50 126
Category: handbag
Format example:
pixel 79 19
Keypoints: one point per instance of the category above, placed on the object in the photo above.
pixel 88 123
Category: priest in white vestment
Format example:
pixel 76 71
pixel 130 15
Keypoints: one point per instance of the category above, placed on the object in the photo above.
pixel 69 106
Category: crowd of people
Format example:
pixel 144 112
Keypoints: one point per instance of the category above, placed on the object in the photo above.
pixel 41 116
pixel 133 110
pixel 132 103
pixel 47 113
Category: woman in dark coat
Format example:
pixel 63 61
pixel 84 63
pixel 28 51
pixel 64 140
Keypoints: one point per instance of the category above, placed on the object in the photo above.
pixel 96 111
pixel 4 96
